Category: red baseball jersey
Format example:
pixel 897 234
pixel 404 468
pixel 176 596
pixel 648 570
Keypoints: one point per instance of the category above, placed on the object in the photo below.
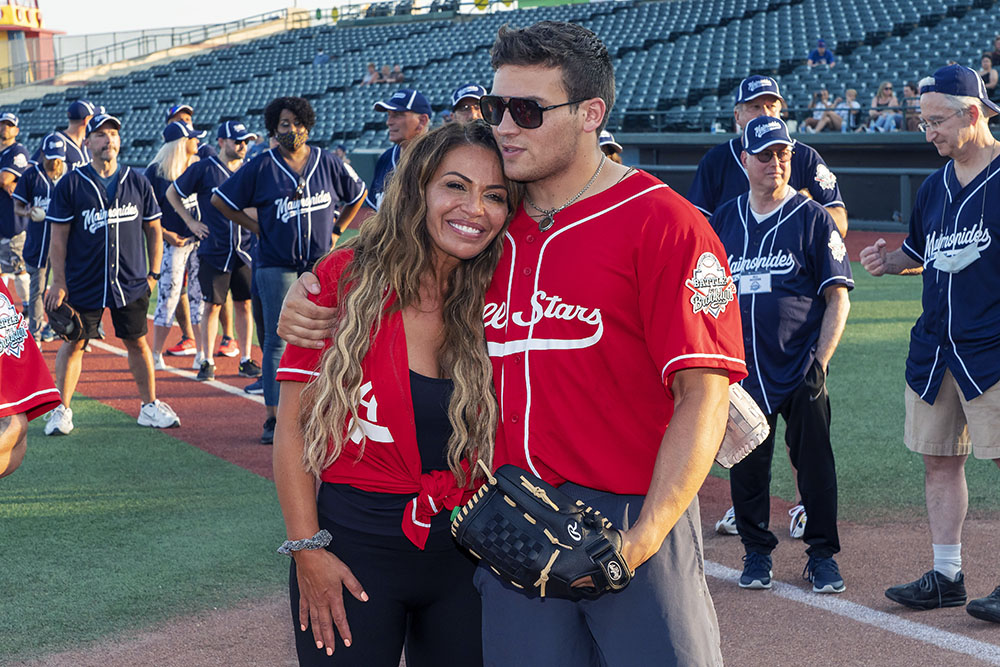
pixel 587 323
pixel 25 383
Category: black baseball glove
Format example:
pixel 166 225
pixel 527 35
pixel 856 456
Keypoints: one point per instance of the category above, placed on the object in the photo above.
pixel 65 321
pixel 539 539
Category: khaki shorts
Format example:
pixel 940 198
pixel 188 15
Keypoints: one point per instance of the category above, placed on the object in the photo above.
pixel 953 426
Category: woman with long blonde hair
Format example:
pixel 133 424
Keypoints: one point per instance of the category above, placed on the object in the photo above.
pixel 178 152
pixel 393 414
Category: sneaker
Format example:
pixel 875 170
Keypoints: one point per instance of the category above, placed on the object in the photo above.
pixel 267 435
pixel 255 388
pixel 727 524
pixel 206 372
pixel 824 575
pixel 158 415
pixel 48 335
pixel 60 421
pixel 185 348
pixel 227 348
pixel 248 369
pixel 196 364
pixel 158 363
pixel 756 571
pixel 931 591
pixel 797 527
pixel 987 608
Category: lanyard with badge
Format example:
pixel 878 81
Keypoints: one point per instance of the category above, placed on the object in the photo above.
pixel 954 260
pixel 757 282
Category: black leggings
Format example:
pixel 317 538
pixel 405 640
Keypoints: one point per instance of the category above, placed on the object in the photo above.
pixel 423 601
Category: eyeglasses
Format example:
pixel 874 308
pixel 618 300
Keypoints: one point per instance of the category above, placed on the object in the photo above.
pixel 299 190
pixel 887 88
pixel 925 125
pixel 240 141
pixel 526 113
pixel 783 155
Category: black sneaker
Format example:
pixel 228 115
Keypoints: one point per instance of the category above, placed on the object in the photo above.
pixel 987 608
pixel 931 591
pixel 256 388
pixel 248 369
pixel 267 435
pixel 756 571
pixel 824 575
pixel 206 372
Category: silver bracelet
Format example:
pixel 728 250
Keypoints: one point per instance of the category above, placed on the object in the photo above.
pixel 318 541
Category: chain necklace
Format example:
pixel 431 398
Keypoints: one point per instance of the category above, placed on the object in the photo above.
pixel 545 224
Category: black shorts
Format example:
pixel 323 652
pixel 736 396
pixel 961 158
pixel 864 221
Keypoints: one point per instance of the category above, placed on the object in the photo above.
pixel 215 283
pixel 129 321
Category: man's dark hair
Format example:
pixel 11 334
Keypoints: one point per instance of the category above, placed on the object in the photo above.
pixel 583 58
pixel 297 105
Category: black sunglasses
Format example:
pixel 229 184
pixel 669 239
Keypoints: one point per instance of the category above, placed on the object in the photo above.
pixel 526 113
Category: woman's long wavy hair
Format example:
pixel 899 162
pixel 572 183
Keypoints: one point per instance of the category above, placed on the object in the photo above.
pixel 392 253
pixel 172 159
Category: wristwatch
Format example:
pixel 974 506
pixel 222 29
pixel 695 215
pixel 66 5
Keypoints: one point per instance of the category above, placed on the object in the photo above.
pixel 154 275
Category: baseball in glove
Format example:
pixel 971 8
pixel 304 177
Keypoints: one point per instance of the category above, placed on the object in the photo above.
pixel 65 321
pixel 747 427
pixel 539 539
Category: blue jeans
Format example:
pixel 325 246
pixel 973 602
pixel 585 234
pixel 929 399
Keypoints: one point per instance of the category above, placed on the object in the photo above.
pixel 272 283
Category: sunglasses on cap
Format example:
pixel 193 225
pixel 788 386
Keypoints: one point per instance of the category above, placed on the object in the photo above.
pixel 784 155
pixel 525 113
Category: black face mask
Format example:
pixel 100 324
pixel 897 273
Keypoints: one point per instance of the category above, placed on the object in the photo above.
pixel 292 140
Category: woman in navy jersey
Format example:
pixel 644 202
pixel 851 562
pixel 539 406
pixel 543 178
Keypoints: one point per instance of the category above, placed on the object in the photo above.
pixel 391 415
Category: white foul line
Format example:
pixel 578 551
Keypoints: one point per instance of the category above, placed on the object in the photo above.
pixel 989 653
pixel 187 374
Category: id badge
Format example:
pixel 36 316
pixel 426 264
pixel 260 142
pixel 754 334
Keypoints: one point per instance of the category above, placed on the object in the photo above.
pixel 755 283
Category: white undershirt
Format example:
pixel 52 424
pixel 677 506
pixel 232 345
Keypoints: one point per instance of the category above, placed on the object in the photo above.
pixel 761 217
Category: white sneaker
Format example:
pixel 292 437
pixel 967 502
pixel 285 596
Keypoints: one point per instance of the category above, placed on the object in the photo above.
pixel 158 363
pixel 158 415
pixel 727 524
pixel 797 527
pixel 198 359
pixel 60 421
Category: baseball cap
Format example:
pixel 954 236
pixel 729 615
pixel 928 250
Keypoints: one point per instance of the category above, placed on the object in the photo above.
pixel 820 42
pixel 101 119
pixel 178 130
pixel 177 108
pixel 80 110
pixel 608 139
pixel 755 86
pixel 954 80
pixel 765 131
pixel 54 148
pixel 406 99
pixel 473 90
pixel 235 129
pixel 9 117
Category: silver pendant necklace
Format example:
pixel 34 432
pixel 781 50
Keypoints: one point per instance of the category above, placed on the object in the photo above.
pixel 549 214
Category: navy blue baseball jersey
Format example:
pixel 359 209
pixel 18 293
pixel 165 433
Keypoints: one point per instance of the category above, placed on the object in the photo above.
pixel 296 223
pixel 106 263
pixel 227 242
pixel 721 177
pixel 170 219
pixel 76 156
pixel 34 188
pixel 386 165
pixel 13 160
pixel 951 234
pixel 206 151
pixel 781 265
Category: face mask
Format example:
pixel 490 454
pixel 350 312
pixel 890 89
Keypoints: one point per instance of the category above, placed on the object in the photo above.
pixel 292 140
pixel 953 261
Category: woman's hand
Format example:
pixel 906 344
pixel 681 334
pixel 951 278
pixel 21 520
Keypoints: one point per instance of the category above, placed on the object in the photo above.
pixel 173 238
pixel 198 228
pixel 322 578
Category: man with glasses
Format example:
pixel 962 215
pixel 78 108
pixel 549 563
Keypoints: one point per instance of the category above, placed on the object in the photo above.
pixel 612 357
pixel 793 273
pixel 721 176
pixel 952 397
pixel 465 102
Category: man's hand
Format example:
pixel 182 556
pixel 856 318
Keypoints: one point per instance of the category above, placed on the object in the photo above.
pixel 302 322
pixel 151 282
pixel 174 239
pixel 873 258
pixel 54 297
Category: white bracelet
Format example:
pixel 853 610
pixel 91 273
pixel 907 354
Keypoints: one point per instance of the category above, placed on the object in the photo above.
pixel 318 541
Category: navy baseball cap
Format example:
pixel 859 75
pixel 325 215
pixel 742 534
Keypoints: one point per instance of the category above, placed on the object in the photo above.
pixel 755 86
pixel 178 130
pixel 765 131
pixel 8 117
pixel 406 99
pixel 820 42
pixel 101 119
pixel 54 147
pixel 80 110
pixel 177 108
pixel 473 90
pixel 236 130
pixel 954 80
pixel 608 139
